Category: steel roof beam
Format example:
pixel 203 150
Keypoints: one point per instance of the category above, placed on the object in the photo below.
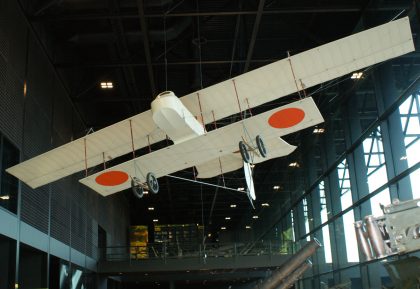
pixel 254 34
pixel 146 44
pixel 300 10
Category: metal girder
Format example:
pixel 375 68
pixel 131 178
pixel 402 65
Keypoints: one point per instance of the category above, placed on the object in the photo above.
pixel 300 10
pixel 143 25
pixel 254 34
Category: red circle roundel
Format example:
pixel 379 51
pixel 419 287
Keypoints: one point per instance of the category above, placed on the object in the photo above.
pixel 112 178
pixel 286 118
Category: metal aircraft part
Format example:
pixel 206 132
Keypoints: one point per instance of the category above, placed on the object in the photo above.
pixel 396 232
pixel 249 182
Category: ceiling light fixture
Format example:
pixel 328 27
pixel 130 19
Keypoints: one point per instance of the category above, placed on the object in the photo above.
pixel 255 217
pixel 247 227
pixel 223 228
pixel 241 189
pixel 5 197
pixel 356 75
pixel 233 206
pixel 294 165
pixel 227 218
pixel 107 85
pixel 276 187
pixel 151 208
pixel 318 130
pixel 265 204
pixel 155 220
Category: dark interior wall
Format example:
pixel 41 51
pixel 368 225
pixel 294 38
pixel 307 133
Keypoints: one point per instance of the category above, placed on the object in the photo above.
pixel 36 115
pixel 7 263
pixel 32 268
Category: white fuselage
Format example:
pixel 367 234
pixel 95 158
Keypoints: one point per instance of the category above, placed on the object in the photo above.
pixel 171 116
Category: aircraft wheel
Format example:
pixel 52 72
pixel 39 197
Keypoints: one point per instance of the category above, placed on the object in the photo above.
pixel 137 190
pixel 152 183
pixel 261 146
pixel 244 152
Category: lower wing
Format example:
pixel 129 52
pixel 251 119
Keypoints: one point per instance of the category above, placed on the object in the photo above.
pixel 211 146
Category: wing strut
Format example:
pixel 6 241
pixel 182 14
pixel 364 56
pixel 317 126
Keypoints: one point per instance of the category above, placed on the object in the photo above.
pixel 203 183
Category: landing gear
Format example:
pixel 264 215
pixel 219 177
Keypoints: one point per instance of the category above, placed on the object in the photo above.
pixel 138 190
pixel 152 183
pixel 138 187
pixel 261 146
pixel 244 149
pixel 244 152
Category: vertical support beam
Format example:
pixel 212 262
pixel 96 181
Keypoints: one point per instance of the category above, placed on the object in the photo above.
pixel 357 168
pixel 332 192
pixel 146 44
pixel 254 34
pixel 392 133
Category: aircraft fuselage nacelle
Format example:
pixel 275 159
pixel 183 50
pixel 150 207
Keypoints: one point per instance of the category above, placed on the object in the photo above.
pixel 171 116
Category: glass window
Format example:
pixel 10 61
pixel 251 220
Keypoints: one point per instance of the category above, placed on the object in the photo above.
pixel 9 184
pixel 348 218
pixel 324 218
pixel 306 216
pixel 293 226
pixel 410 117
pixel 377 174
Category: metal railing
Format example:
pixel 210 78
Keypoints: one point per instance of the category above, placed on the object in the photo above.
pixel 164 250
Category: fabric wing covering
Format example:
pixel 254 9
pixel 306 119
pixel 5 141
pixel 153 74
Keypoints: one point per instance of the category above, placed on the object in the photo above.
pixel 215 144
pixel 248 90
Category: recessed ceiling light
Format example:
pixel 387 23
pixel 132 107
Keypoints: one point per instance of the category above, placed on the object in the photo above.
pixel 151 208
pixel 247 227
pixel 107 85
pixel 223 228
pixel 233 206
pixel 294 165
pixel 227 218
pixel 241 189
pixel 318 130
pixel 155 220
pixel 5 197
pixel 255 217
pixel 265 204
pixel 276 187
pixel 357 75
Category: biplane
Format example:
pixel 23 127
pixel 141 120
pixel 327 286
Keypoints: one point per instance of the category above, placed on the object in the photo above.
pixel 250 140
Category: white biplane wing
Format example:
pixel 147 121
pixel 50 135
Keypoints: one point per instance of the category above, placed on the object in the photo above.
pixel 91 150
pixel 276 148
pixel 210 146
pixel 302 71
pixel 248 90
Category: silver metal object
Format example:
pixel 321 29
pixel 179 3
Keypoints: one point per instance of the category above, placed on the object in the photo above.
pixel 362 240
pixel 291 265
pixel 396 232
pixel 292 278
pixel 375 237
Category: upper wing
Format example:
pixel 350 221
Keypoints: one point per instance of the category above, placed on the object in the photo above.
pixel 93 149
pixel 310 68
pixel 212 145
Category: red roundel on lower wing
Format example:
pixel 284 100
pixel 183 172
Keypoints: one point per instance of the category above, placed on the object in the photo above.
pixel 112 178
pixel 286 118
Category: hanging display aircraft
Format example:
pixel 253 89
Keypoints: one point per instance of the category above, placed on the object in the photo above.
pixel 215 152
